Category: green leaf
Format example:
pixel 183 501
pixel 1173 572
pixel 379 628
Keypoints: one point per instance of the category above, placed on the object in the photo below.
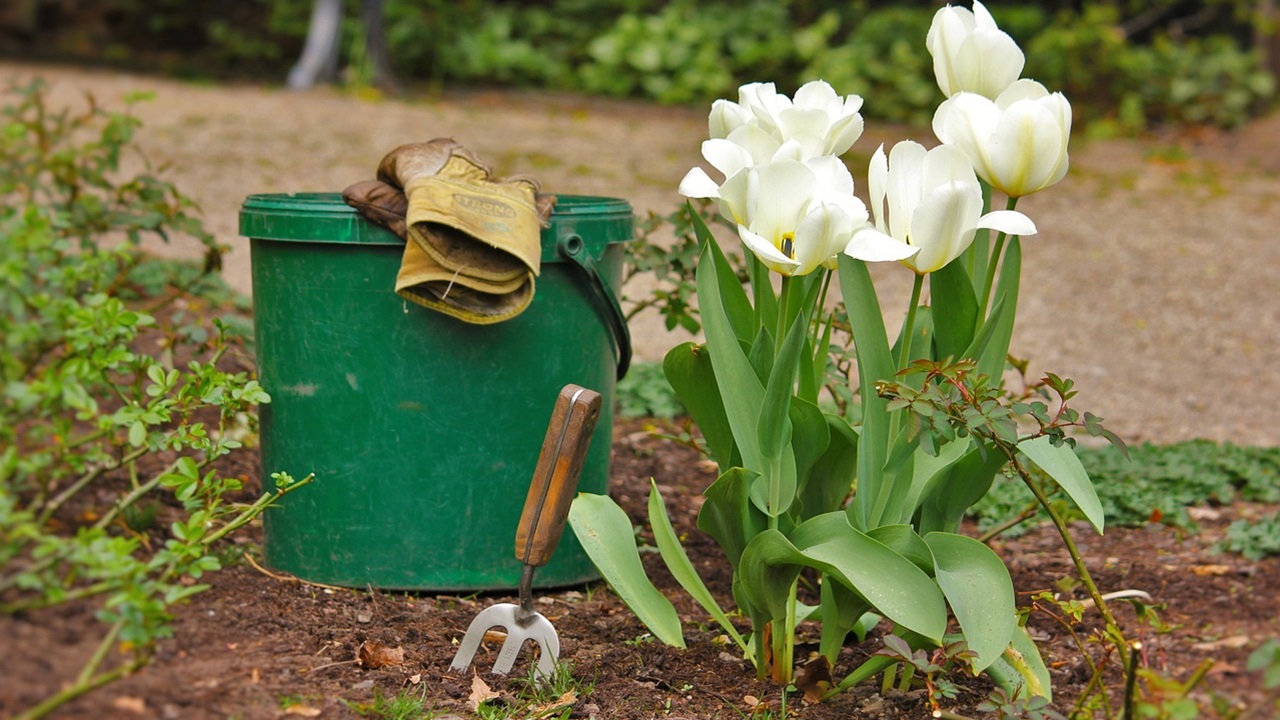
pixel 1020 670
pixel 774 427
pixel 728 516
pixel 810 437
pixel 688 369
pixel 875 363
pixel 1061 463
pixel 606 535
pixel 904 540
pixel 840 609
pixel 893 584
pixel 733 297
pixel 678 563
pixel 992 361
pixel 770 565
pixel 741 390
pixel 952 492
pixel 977 584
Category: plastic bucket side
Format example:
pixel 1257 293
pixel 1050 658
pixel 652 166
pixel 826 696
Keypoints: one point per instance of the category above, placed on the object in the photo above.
pixel 422 431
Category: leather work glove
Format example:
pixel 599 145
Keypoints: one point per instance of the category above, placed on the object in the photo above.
pixel 473 241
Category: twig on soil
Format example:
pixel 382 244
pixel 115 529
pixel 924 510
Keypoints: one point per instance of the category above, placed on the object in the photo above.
pixel 329 665
pixel 287 578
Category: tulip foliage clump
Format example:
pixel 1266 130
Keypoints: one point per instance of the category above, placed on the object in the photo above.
pixel 841 523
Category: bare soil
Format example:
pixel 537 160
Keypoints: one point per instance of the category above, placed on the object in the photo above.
pixel 1151 285
pixel 258 641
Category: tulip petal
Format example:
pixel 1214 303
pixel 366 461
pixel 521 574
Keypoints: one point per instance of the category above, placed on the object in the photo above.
pixel 786 190
pixel 1010 222
pixel 844 133
pixel 905 186
pixel 726 156
pixel 771 256
pixel 872 245
pixel 698 184
pixel 1026 150
pixel 877 185
pixel 944 223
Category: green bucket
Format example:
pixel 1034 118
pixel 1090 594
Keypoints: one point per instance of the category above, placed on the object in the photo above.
pixel 422 431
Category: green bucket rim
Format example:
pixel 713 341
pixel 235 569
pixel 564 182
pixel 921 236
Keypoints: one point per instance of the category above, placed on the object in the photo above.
pixel 324 217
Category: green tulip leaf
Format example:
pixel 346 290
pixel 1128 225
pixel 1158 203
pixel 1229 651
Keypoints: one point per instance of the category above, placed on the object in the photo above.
pixel 688 370
pixel 977 584
pixel 1021 670
pixel 677 561
pixel 904 540
pixel 770 565
pixel 733 297
pixel 1061 463
pixel 824 485
pixel 841 609
pixel 606 535
pixel 774 427
pixel 875 364
pixel 995 354
pixel 740 389
pixel 728 516
pixel 955 309
pixel 953 491
pixel 894 585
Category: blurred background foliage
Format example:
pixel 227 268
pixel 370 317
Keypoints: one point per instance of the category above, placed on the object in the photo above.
pixel 1127 65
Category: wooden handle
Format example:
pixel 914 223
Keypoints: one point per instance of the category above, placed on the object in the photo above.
pixel 555 480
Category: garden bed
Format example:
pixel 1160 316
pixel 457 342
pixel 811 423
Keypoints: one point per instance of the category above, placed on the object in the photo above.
pixel 262 645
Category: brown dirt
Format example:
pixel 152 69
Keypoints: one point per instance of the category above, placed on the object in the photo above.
pixel 255 643
pixel 1152 287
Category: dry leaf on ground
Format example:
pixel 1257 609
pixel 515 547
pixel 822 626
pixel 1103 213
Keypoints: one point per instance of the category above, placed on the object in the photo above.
pixel 373 655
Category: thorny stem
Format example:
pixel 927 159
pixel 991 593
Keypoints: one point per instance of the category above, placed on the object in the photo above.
pixel 1076 558
pixel 1018 519
pixel 80 484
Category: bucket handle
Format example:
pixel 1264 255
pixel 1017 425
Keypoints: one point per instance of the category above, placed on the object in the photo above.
pixel 572 248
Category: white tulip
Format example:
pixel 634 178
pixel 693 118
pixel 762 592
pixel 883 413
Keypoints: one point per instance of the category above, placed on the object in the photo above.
pixel 929 201
pixel 971 54
pixel 1017 143
pixel 765 126
pixel 796 216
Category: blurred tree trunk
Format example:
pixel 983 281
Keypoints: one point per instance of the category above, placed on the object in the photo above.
pixel 319 61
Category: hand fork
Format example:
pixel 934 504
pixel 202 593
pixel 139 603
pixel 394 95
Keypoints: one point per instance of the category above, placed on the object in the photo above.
pixel 541 523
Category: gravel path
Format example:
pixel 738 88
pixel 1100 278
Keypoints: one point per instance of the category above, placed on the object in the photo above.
pixel 1151 282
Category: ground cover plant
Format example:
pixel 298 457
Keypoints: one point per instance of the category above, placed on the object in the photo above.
pixel 104 414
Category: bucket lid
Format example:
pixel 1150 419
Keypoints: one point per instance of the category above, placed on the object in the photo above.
pixel 325 217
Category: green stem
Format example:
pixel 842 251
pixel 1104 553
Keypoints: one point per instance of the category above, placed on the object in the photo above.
pixel 1076 558
pixel 1131 680
pixel 784 312
pixel 89 679
pixel 908 327
pixel 865 671
pixel 992 263
pixel 84 480
pixel 789 655
pixel 904 359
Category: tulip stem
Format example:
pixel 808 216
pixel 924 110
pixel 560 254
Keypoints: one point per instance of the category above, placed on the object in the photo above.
pixel 908 327
pixel 992 263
